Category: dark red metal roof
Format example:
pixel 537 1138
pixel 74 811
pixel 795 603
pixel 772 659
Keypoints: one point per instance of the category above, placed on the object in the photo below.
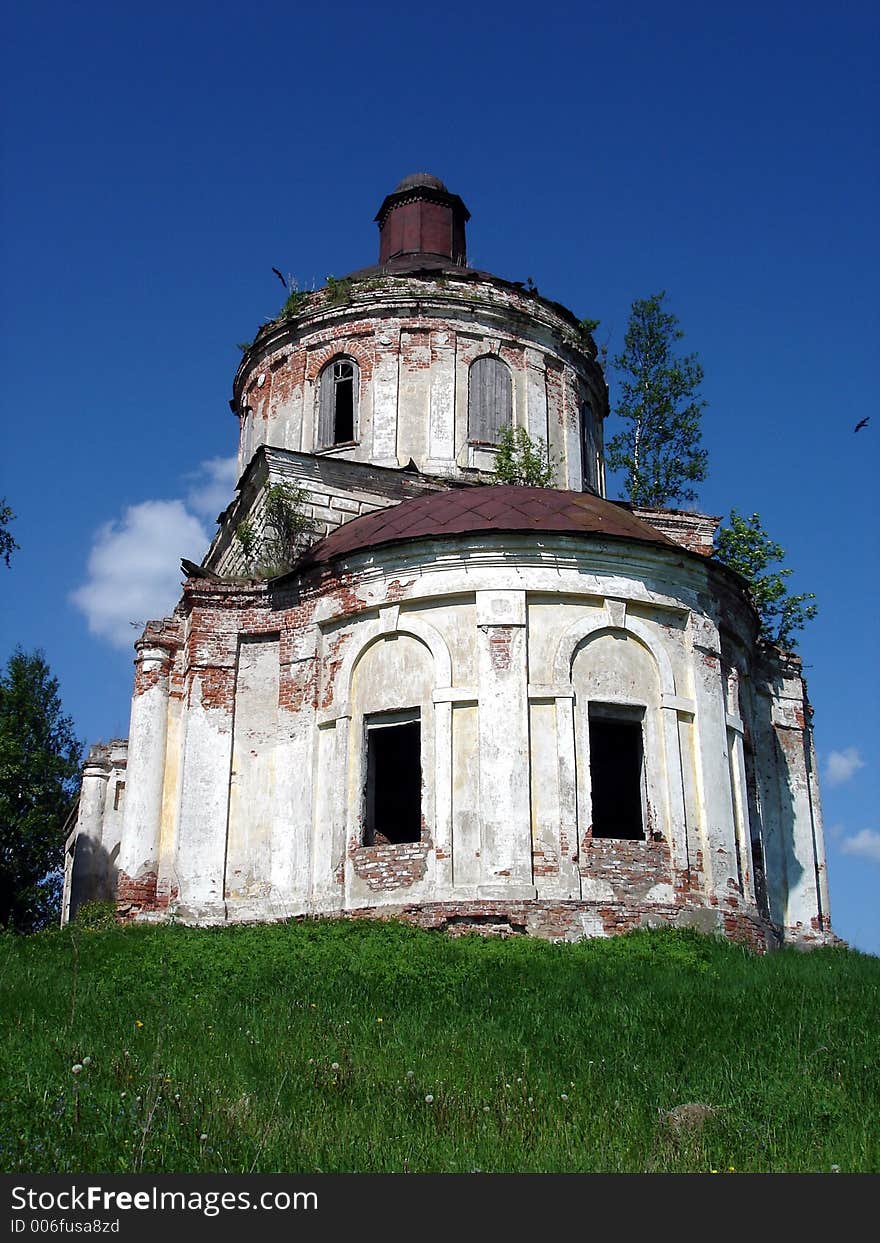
pixel 469 511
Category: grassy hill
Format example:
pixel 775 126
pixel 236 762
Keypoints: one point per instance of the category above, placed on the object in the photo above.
pixel 349 1046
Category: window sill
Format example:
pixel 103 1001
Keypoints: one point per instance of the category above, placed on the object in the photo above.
pixel 344 444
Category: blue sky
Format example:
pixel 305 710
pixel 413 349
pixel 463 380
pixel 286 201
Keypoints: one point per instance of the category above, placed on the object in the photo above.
pixel 157 163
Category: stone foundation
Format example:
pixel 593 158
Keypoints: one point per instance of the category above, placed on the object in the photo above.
pixel 546 920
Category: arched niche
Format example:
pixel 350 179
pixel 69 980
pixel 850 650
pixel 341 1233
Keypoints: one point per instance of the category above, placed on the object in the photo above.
pixel 392 743
pixel 395 672
pixel 620 745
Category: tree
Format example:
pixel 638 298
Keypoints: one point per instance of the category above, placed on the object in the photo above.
pixel 746 548
pixel 659 446
pixel 521 460
pixel 39 769
pixel 7 543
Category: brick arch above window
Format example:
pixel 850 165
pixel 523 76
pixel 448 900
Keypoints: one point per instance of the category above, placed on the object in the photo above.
pixel 490 399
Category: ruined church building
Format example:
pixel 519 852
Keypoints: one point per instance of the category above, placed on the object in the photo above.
pixel 470 706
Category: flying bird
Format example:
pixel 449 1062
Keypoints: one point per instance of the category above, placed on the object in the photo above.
pixel 863 423
pixel 281 278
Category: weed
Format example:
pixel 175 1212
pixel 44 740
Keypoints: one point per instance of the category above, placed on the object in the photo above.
pixel 93 916
pixel 295 303
pixel 339 290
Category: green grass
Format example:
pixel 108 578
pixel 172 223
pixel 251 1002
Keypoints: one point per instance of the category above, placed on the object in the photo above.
pixel 315 1046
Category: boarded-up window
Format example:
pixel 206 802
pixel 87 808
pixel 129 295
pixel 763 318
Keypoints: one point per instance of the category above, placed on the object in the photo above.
pixel 490 400
pixel 337 403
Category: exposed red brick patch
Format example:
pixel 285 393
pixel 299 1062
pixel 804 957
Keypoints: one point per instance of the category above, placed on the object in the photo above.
pixel 500 647
pixel 631 868
pixel 136 895
pixel 386 867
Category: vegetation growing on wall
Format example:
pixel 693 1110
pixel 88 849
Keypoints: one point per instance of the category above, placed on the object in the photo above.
pixel 274 548
pixel 339 290
pixel 522 460
pixel 295 303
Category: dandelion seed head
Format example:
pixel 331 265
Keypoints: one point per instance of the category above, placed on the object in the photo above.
pixel 429 1100
pixel 76 1068
pixel 87 1061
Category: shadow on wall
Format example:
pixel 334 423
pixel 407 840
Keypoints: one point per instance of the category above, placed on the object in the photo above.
pixel 785 756
pixel 792 870
pixel 93 876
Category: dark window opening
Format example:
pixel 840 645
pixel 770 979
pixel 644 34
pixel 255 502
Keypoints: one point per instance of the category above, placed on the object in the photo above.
pixel 616 778
pixel 337 413
pixel 760 878
pixel 588 452
pixel 394 784
pixel 343 378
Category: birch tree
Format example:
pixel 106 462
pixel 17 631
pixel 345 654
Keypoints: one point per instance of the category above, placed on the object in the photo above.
pixel 659 445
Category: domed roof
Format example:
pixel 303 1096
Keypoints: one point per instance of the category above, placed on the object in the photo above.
pixel 474 511
pixel 419 179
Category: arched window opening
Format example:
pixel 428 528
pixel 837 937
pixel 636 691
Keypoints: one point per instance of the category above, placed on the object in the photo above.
pixel 338 402
pixel 617 765
pixel 490 400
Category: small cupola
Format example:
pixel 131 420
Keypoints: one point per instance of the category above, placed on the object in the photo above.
pixel 421 217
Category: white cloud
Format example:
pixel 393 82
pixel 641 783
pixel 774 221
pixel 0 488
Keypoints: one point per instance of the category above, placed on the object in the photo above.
pixel 213 486
pixel 841 765
pixel 134 568
pixel 866 844
pixel 134 565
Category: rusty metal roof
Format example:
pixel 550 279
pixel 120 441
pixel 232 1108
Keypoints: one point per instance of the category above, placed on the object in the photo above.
pixel 478 510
